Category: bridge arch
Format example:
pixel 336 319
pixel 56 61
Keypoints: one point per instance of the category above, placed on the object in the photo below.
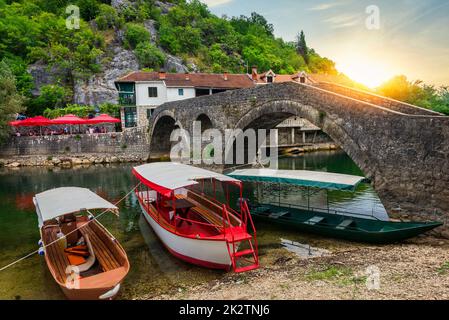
pixel 270 114
pixel 206 122
pixel 163 126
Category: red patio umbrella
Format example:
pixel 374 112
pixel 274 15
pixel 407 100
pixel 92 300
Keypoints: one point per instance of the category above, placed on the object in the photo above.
pixel 38 121
pixel 103 118
pixel 69 119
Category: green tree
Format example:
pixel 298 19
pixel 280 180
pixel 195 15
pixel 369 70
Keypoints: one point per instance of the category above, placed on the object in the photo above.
pixel 416 93
pixel 301 46
pixel 149 56
pixel 11 102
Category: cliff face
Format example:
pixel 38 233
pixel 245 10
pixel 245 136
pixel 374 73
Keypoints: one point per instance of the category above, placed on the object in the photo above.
pixel 116 62
pixel 100 88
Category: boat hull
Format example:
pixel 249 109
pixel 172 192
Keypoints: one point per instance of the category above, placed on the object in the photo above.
pixel 380 232
pixel 108 293
pixel 102 286
pixel 206 253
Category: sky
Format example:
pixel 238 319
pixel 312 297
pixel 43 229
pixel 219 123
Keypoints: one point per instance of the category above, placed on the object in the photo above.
pixel 409 37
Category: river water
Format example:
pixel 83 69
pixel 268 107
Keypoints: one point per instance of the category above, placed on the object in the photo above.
pixel 153 270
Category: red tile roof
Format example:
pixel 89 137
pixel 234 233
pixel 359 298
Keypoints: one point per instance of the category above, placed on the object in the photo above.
pixel 198 80
pixel 278 78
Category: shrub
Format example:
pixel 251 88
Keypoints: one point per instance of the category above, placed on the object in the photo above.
pixel 149 56
pixel 135 34
pixel 108 18
pixel 53 96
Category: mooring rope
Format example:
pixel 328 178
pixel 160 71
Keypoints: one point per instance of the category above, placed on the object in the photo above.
pixel 64 236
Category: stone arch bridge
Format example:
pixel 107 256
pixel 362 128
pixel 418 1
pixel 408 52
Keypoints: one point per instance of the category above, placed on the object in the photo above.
pixel 402 149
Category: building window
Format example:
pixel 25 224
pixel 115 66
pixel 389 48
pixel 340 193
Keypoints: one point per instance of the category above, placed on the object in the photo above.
pixel 152 92
pixel 180 92
pixel 270 79
pixel 150 113
pixel 130 117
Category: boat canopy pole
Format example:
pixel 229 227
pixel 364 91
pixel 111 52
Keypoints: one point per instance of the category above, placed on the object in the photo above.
pixel 279 194
pixel 308 198
pixel 174 211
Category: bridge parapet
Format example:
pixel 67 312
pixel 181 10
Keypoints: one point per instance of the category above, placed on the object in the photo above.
pixel 369 97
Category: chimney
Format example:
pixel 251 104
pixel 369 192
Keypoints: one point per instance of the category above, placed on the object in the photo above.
pixel 225 76
pixel 187 76
pixel 162 75
pixel 254 73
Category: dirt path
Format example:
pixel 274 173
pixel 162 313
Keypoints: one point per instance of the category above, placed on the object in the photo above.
pixel 417 269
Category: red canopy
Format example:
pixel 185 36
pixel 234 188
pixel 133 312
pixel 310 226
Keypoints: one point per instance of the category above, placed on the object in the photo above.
pixel 103 118
pixel 69 119
pixel 31 122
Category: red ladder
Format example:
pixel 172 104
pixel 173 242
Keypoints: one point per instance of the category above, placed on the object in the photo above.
pixel 235 236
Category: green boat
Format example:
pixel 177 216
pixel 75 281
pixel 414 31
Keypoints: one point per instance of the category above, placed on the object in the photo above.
pixel 326 222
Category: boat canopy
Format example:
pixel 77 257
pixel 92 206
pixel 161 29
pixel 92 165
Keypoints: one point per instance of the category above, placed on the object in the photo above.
pixel 313 179
pixel 165 177
pixel 58 202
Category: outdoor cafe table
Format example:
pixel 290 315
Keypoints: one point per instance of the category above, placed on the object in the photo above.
pixel 182 208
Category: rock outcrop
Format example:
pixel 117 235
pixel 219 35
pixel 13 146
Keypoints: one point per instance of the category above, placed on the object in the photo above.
pixel 100 88
pixel 43 75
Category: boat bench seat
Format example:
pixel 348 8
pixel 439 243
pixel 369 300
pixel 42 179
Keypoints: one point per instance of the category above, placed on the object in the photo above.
pixel 315 220
pixel 104 255
pixel 210 216
pixel 56 254
pixel 345 223
pixel 277 215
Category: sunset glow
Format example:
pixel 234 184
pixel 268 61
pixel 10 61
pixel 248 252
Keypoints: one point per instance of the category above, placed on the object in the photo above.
pixel 371 74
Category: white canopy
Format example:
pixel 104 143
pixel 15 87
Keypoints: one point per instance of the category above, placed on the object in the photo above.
pixel 314 179
pixel 57 202
pixel 164 177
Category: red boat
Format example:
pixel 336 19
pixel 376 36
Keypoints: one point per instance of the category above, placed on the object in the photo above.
pixel 181 204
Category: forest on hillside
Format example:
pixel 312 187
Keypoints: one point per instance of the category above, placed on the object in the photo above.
pixel 35 31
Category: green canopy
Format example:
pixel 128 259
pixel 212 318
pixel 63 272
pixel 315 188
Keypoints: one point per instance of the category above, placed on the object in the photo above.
pixel 313 179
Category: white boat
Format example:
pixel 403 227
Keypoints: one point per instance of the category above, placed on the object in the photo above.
pixel 181 204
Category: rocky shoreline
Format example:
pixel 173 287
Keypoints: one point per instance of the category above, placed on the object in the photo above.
pixel 70 160
pixel 415 269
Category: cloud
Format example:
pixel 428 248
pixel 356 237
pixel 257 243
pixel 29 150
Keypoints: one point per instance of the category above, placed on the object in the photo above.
pixel 215 3
pixel 343 21
pixel 327 6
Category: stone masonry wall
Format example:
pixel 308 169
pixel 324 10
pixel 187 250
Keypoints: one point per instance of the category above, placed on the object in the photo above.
pixel 131 141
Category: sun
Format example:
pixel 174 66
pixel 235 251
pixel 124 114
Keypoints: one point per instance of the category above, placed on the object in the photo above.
pixel 370 73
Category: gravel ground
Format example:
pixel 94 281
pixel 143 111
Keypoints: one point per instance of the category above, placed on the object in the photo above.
pixel 416 269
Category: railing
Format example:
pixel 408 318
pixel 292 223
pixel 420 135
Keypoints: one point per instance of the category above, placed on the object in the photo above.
pixel 225 230
pixel 246 212
pixel 324 210
pixel 146 205
pixel 216 202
